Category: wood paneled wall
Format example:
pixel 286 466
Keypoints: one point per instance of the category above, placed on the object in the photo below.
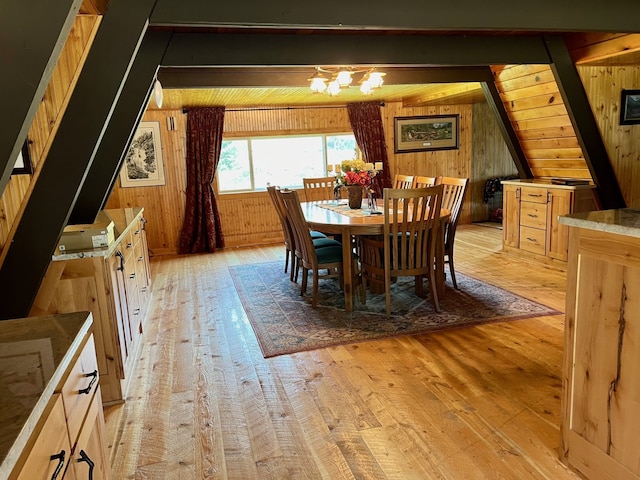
pixel 603 86
pixel 540 119
pixel 47 119
pixel 249 218
pixel 490 159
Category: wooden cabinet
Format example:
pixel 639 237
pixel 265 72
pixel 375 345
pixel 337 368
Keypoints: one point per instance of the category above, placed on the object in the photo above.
pixel 115 285
pixel 531 211
pixel 66 438
pixel 600 418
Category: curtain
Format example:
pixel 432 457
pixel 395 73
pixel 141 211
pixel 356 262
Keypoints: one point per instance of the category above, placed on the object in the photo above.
pixel 201 231
pixel 366 122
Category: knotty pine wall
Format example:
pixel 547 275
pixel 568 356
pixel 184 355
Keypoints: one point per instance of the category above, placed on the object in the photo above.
pixel 47 119
pixel 603 86
pixel 249 218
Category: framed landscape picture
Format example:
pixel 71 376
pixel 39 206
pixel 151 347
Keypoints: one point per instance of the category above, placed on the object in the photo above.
pixel 433 132
pixel 630 107
pixel 143 166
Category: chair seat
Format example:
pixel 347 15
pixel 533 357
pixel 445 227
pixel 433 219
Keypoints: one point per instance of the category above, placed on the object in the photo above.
pixel 316 234
pixel 325 242
pixel 331 254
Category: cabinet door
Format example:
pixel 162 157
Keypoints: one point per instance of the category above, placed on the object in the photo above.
pixel 90 459
pixel 133 297
pixel 116 270
pixel 51 451
pixel 511 215
pixel 560 203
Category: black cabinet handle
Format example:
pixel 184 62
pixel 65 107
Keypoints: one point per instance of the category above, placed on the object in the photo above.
pixel 60 458
pixel 85 458
pixel 121 257
pixel 85 391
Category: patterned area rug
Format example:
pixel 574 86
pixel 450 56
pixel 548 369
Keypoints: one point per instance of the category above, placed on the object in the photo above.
pixel 284 322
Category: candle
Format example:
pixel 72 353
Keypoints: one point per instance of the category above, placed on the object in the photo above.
pixel 378 165
pixel 368 166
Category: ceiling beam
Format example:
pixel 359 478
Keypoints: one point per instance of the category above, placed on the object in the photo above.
pixel 286 50
pixel 461 15
pixel 584 123
pixel 211 77
pixel 72 151
pixel 33 35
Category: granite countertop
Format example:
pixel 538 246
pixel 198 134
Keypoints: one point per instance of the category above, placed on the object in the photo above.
pixel 540 182
pixel 623 221
pixel 121 217
pixel 35 353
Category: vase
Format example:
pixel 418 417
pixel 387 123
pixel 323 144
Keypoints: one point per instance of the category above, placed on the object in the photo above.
pixel 355 196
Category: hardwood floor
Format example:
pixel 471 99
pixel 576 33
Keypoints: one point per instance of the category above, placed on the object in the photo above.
pixel 475 403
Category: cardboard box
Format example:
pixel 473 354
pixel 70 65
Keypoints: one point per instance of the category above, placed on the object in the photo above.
pixel 86 237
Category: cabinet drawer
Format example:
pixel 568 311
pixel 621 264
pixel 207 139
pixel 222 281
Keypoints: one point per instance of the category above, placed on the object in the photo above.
pixel 79 388
pixel 534 194
pixel 533 215
pixel 51 442
pixel 532 240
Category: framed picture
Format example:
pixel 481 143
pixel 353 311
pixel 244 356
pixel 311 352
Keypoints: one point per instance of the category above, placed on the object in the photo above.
pixel 433 132
pixel 23 163
pixel 143 166
pixel 630 107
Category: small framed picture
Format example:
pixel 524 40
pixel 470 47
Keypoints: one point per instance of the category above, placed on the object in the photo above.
pixel 143 166
pixel 23 165
pixel 630 107
pixel 433 132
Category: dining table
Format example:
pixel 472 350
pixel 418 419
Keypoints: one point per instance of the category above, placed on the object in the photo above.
pixel 336 218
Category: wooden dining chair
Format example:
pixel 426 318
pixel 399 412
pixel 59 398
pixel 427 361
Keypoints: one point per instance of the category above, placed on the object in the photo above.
pixel 317 260
pixel 453 193
pixel 408 243
pixel 421 181
pixel 403 181
pixel 319 188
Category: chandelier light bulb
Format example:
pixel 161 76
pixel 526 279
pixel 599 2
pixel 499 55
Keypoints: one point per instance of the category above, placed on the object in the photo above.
pixel 333 88
pixel 375 79
pixel 318 84
pixel 365 88
pixel 344 78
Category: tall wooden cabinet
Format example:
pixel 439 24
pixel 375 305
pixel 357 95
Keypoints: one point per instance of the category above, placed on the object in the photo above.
pixel 113 283
pixel 600 385
pixel 530 216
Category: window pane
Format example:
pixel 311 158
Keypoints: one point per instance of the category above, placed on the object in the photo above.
pixel 234 168
pixel 285 161
pixel 340 147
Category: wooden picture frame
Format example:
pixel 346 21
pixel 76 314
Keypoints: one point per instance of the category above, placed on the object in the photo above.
pixel 143 165
pixel 630 107
pixel 430 132
pixel 23 165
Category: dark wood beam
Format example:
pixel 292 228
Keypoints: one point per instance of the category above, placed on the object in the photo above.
pixel 584 123
pixel 33 34
pixel 208 77
pixel 288 49
pixel 506 127
pixel 461 15
pixel 115 142
pixel 82 126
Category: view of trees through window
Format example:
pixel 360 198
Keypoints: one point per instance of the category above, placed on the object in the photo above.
pixel 248 164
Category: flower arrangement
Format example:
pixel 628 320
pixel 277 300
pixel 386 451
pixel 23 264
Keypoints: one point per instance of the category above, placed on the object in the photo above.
pixel 353 172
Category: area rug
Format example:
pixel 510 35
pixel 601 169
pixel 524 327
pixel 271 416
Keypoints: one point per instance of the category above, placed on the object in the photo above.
pixel 285 323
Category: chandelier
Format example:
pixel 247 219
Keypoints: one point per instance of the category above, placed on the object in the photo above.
pixel 333 79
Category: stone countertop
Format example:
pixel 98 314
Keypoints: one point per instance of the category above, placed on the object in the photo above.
pixel 35 354
pixel 623 221
pixel 542 182
pixel 122 219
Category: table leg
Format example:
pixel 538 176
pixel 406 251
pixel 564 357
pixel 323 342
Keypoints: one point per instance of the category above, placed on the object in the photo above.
pixel 347 270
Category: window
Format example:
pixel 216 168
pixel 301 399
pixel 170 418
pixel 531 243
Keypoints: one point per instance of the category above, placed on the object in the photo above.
pixel 248 164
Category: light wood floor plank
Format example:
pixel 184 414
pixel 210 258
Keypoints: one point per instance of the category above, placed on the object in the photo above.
pixel 477 403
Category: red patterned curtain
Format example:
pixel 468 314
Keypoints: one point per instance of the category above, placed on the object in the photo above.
pixel 366 122
pixel 201 231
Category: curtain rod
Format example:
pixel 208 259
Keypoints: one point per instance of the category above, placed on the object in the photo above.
pixel 258 109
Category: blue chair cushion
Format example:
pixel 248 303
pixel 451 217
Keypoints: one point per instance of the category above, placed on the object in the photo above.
pixel 325 242
pixel 316 234
pixel 329 254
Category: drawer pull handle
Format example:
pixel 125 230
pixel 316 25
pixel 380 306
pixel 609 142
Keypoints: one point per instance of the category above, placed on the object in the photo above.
pixel 535 195
pixel 60 458
pixel 85 391
pixel 532 215
pixel 532 239
pixel 132 276
pixel 129 245
pixel 85 458
pixel 121 257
